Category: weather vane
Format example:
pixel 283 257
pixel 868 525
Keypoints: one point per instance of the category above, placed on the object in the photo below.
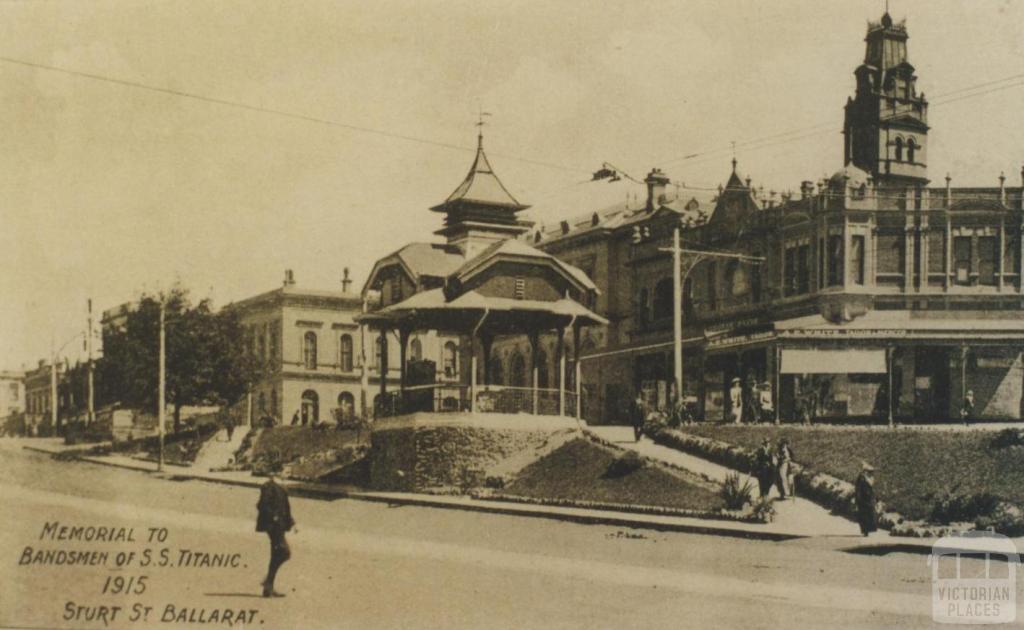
pixel 480 124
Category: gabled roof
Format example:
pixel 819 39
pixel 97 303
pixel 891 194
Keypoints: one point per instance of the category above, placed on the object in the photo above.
pixel 481 186
pixel 513 248
pixel 421 259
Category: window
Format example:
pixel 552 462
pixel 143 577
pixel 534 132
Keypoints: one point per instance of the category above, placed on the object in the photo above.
pixel 520 288
pixel 663 299
pixel 451 359
pixel 988 256
pixel 899 149
pixel 857 258
pixel 738 279
pixel 641 309
pixel 273 340
pixel 380 347
pixel 821 263
pixel 937 251
pixel 346 353
pixel 309 350
pixel 755 278
pixel 416 350
pixel 789 272
pixel 835 260
pixel 261 344
pixel 911 148
pixel 346 406
pixel 542 369
pixel 889 254
pixel 688 297
pixel 803 269
pixel 712 285
pixel 962 260
pixel 310 411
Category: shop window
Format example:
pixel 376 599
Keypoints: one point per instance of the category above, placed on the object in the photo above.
pixel 857 258
pixel 988 257
pixel 962 260
pixel 835 260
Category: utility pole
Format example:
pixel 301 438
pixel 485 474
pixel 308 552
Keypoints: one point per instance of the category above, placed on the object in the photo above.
pixel 88 348
pixel 53 386
pixel 677 321
pixel 162 394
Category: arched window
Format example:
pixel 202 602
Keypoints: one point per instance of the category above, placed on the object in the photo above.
pixel 416 350
pixel 663 299
pixel 346 353
pixel 542 369
pixel 497 372
pixel 911 149
pixel 642 308
pixel 309 350
pixel 346 406
pixel 518 371
pixel 451 359
pixel 899 149
pixel 310 407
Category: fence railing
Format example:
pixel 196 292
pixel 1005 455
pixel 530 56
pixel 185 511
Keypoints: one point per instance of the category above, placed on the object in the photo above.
pixel 440 398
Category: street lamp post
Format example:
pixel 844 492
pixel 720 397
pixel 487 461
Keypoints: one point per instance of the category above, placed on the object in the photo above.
pixel 161 402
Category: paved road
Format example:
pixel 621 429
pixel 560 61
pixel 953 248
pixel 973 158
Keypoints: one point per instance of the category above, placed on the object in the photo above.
pixel 367 565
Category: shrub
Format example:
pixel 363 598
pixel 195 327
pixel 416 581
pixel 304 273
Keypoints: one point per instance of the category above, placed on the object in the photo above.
pixel 654 423
pixel 958 508
pixel 1007 438
pixel 736 491
pixel 626 463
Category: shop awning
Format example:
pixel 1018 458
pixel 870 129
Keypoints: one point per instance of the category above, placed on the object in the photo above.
pixel 848 361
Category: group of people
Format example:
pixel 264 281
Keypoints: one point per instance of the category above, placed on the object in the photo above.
pixel 773 467
pixel 750 401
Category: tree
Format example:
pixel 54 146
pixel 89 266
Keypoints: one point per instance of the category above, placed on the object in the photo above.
pixel 206 362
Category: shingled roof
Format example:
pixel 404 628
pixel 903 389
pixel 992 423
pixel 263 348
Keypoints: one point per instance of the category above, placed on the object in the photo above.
pixel 481 186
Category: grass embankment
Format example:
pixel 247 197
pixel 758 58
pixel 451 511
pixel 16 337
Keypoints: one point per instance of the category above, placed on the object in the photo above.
pixel 304 452
pixel 915 469
pixel 584 471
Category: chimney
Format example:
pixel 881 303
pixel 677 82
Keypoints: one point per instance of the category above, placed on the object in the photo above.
pixel 656 183
pixel 346 281
pixel 1002 188
pixel 806 189
pixel 949 191
pixel 289 278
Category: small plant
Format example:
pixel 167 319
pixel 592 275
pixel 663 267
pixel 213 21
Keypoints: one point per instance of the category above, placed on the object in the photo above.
pixel 624 464
pixel 1007 438
pixel 736 491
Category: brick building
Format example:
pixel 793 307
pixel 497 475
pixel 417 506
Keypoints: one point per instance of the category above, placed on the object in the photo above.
pixel 872 281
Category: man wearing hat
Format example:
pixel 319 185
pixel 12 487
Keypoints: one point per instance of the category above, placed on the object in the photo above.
pixel 275 518
pixel 764 467
pixel 865 499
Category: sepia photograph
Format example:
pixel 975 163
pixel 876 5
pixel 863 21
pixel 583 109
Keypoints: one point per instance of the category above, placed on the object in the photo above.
pixel 469 315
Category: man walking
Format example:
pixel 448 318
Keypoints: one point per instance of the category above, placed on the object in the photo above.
pixel 865 499
pixel 275 518
pixel 638 414
pixel 764 467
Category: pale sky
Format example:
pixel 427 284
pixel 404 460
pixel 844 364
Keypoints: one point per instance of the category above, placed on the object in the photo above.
pixel 107 190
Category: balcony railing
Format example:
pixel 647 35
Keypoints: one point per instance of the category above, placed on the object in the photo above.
pixel 441 398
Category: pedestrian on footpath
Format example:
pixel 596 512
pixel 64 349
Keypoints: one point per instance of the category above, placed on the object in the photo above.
pixel 736 401
pixel 638 413
pixel 764 467
pixel 275 518
pixel 865 498
pixel 783 471
pixel 967 410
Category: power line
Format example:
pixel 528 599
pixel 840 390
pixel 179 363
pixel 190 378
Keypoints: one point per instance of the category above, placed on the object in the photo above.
pixel 277 112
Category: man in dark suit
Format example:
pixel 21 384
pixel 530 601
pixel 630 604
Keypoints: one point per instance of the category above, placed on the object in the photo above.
pixel 275 518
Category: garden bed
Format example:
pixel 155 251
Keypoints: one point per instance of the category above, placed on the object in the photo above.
pixel 939 477
pixel 305 453
pixel 583 472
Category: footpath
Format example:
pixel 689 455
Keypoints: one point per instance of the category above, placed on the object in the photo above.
pixel 799 519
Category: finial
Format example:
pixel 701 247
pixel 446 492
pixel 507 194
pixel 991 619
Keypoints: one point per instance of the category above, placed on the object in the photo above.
pixel 480 124
pixel 733 156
